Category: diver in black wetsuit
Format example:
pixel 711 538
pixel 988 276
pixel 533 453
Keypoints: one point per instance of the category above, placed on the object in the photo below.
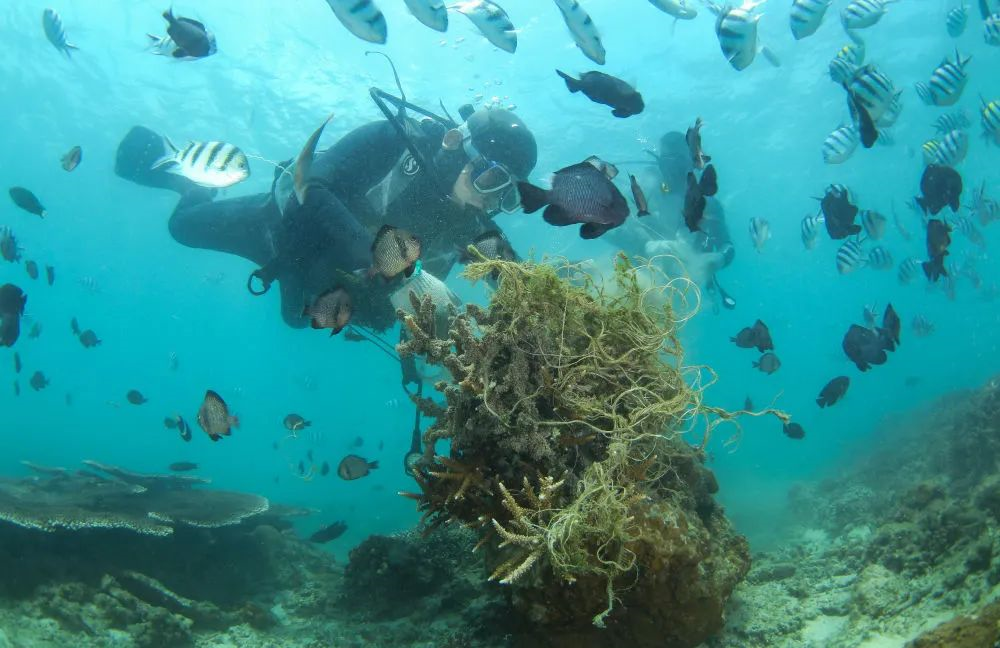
pixel 441 180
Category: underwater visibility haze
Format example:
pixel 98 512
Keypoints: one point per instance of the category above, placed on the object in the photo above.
pixel 665 323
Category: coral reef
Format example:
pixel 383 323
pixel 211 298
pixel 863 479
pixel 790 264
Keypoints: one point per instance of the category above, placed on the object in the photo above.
pixel 564 421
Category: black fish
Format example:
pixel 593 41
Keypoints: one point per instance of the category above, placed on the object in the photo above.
pixel 74 326
pixel 190 36
pixel 768 363
pixel 35 331
pixel 864 347
pixel 17 388
pixel 32 269
pixel 862 118
pixel 793 431
pixel 17 362
pixel 358 442
pixel 694 198
pixel 833 391
pixel 89 339
pixel 183 466
pixel 135 397
pixel 608 90
pixel 12 302
pixel 38 381
pixel 355 467
pixel 839 214
pixel 324 469
pixel 891 328
pixel 748 403
pixel 639 197
pixel 582 194
pixel 938 240
pixel 757 335
pixel 50 274
pixel 328 533
pixel 302 468
pixel 693 139
pixel 941 187
pixel 27 201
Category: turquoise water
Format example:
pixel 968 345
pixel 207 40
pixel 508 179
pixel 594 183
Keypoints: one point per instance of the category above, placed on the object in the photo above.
pixel 282 67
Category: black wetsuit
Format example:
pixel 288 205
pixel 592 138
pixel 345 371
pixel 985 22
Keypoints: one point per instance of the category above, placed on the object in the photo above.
pixel 367 179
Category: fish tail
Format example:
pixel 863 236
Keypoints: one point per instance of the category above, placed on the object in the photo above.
pixel 234 421
pixel 373 464
pixel 168 15
pixel 573 85
pixel 169 156
pixel 532 198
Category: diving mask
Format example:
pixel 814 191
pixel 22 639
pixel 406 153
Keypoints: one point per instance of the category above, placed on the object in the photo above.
pixel 489 177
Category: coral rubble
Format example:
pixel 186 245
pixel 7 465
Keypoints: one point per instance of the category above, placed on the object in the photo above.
pixel 564 420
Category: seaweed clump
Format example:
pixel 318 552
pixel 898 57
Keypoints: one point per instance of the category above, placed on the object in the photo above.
pixel 564 423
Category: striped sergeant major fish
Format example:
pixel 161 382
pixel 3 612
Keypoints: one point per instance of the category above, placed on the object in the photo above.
pixel 985 208
pixel 990 114
pixel 950 150
pixel 52 24
pixel 874 90
pixel 809 230
pixel 909 270
pixel 840 144
pixel 880 258
pixel 841 70
pixel 209 164
pixel 431 13
pixel 583 29
pixel 947 82
pixel 679 9
pixel 874 223
pixel 892 112
pixel 956 20
pixel 991 30
pixel 968 229
pixel 850 257
pixel 861 14
pixel 948 122
pixel 491 20
pixel 806 16
pixel 760 232
pixel 362 18
pixel 736 28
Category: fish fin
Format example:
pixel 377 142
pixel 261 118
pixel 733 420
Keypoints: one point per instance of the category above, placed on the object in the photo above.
pixel 621 114
pixel 593 230
pixel 373 464
pixel 642 212
pixel 408 272
pixel 555 215
pixel 532 198
pixel 169 156
pixel 168 15
pixel 234 421
pixel 179 53
pixel 756 365
pixel 573 85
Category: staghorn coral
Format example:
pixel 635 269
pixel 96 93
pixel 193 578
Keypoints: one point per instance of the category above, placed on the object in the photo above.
pixel 575 392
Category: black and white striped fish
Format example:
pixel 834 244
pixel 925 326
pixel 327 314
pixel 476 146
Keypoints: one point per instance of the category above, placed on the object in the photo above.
pixel 874 223
pixel 583 29
pixel 874 90
pixel 956 20
pixel 947 82
pixel 840 145
pixel 969 230
pixel 209 164
pixel 861 14
pixel 991 30
pixel 948 122
pixel 362 18
pixel 854 52
pixel 809 229
pixel 679 9
pixel 950 150
pixel 760 232
pixel 850 257
pixel 841 70
pixel 986 209
pixel 990 114
pixel 491 20
pixel 922 327
pixel 806 16
pixel 736 28
pixel 52 24
pixel 892 113
pixel 432 13
pixel 909 270
pixel 880 258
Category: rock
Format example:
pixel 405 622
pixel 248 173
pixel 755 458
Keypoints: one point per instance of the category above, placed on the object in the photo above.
pixel 4 641
pixel 772 572
pixel 878 591
pixel 979 631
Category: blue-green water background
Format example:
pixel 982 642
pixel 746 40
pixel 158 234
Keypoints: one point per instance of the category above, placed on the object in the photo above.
pixel 283 66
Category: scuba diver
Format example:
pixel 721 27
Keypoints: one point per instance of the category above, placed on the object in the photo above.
pixel 440 180
pixel 702 253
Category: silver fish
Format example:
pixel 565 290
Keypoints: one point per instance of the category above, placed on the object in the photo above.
pixel 736 29
pixel 583 29
pixel 909 270
pixel 679 9
pixel 841 70
pixel 950 150
pixel 874 223
pixel 956 20
pixel 958 120
pixel 52 24
pixel 840 145
pixel 861 14
pixel 880 258
pixel 490 19
pixel 850 257
pixel 432 13
pixel 947 82
pixel 760 232
pixel 362 18
pixel 209 164
pixel 970 231
pixel 806 16
pixel 809 229
pixel 921 326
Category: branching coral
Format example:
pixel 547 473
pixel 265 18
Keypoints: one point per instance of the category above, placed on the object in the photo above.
pixel 576 392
